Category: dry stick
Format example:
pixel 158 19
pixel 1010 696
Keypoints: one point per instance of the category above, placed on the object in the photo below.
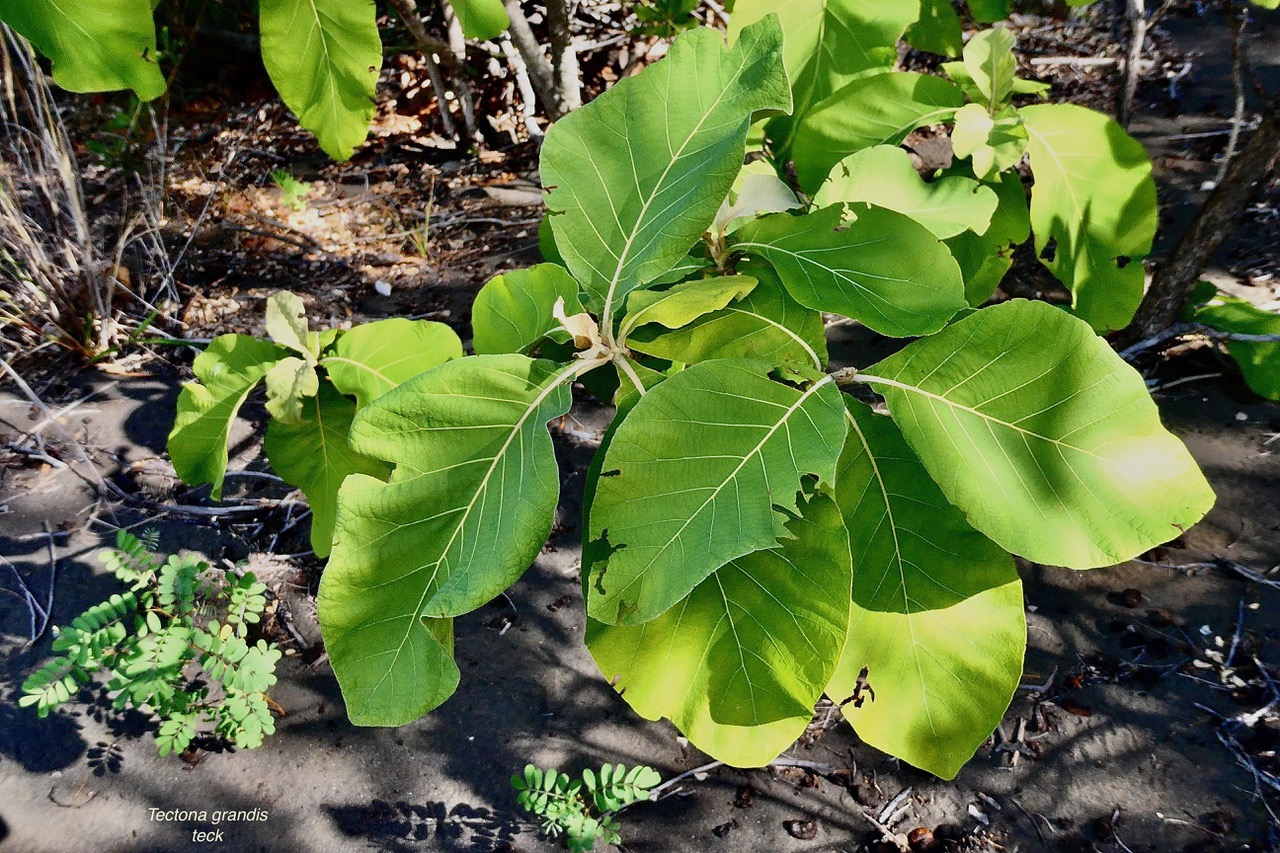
pixel 1136 13
pixel 564 56
pixel 1238 23
pixel 462 89
pixel 408 12
pixel 528 97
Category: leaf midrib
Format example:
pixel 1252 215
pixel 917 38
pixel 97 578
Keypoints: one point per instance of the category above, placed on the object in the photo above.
pixel 784 418
pixel 413 616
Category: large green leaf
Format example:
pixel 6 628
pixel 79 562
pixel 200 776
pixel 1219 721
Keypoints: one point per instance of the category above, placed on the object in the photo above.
pixel 1043 436
pixel 937 617
pixel 94 45
pixel 939 29
pixel 1259 360
pixel 1095 199
pixel 373 358
pixel 877 266
pixel 467 509
pixel 637 175
pixel 766 325
pixel 513 311
pixel 985 258
pixel 682 304
pixel 474 491
pixel 314 455
pixel 828 44
pixel 877 110
pixel 227 371
pixel 702 471
pixel 481 19
pixel 885 177
pixel 323 57
pixel 739 663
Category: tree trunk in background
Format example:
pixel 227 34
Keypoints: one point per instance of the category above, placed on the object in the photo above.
pixel 1136 12
pixel 563 56
pixel 540 74
pixel 1216 219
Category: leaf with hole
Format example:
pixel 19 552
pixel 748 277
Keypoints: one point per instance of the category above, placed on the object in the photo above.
pixel 937 619
pixel 703 470
pixel 877 110
pixel 884 176
pixel 1094 199
pixel 93 45
pixel 739 663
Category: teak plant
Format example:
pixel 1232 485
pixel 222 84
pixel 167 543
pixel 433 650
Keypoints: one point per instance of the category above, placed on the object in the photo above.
pixel 755 535
pixel 197 675
pixel 762 527
pixel 583 809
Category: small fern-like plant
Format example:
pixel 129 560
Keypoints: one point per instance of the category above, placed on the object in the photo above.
pixel 583 809
pixel 197 675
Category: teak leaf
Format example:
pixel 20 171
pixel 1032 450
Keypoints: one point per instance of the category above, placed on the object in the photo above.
pixel 938 30
pixel 680 305
pixel 1043 437
pixel 227 371
pixel 468 507
pixel 884 176
pixel 480 19
pixel 985 258
pixel 290 381
pixel 371 359
pixel 989 61
pixel 766 325
pixel 739 663
pixel 323 57
pixel 93 45
pixel 637 175
pixel 286 323
pixel 1095 199
pixel 703 471
pixel 992 144
pixel 827 44
pixel 937 617
pixel 314 455
pixel 879 267
pixel 513 311
pixel 877 110
pixel 475 486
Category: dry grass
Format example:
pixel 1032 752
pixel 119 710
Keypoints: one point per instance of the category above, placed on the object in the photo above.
pixel 67 279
